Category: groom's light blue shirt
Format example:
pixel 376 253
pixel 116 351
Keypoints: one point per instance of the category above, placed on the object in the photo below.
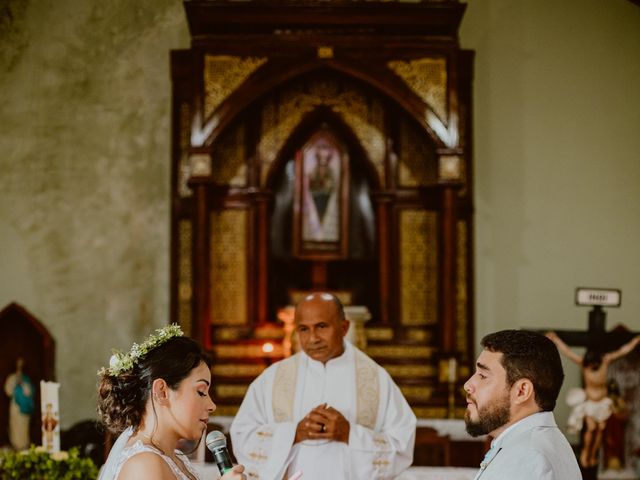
pixel 532 449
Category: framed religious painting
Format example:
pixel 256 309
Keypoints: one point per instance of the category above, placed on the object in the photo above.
pixel 320 212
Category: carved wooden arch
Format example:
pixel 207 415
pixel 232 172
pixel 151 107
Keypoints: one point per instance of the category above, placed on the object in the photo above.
pixel 304 129
pixel 274 73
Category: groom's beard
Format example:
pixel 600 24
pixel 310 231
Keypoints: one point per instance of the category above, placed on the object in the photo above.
pixel 490 418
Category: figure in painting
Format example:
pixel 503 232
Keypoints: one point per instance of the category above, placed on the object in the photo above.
pixel 591 406
pixel 19 388
pixel 321 180
pixel 321 216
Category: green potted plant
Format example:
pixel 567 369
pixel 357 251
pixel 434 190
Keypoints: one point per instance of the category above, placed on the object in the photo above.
pixel 36 463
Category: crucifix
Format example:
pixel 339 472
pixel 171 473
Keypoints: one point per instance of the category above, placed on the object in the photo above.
pixel 591 405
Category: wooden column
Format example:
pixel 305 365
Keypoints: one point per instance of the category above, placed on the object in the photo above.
pixel 383 207
pixel 261 210
pixel 200 182
pixel 448 251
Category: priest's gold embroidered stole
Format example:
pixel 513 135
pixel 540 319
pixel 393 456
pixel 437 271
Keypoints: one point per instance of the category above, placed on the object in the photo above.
pixel 367 390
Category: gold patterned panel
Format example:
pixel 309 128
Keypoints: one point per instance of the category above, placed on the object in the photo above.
pixel 435 412
pixel 367 122
pixel 419 335
pixel 184 169
pixel 417 160
pixel 269 333
pixel 379 333
pixel 226 410
pixel 237 369
pixel 462 342
pixel 185 275
pixel 222 75
pixel 427 412
pixel 228 334
pixel 418 267
pixel 227 391
pixel 229 158
pixel 416 392
pixel 364 115
pixel 246 351
pixel 427 77
pixel 409 371
pixel 229 267
pixel 400 351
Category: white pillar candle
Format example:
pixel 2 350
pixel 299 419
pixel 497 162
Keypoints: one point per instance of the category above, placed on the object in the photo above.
pixel 50 416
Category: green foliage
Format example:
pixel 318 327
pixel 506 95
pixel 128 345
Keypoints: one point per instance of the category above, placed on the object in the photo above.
pixel 36 463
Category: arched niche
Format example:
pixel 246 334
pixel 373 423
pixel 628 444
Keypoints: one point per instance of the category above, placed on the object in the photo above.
pixel 354 268
pixel 23 335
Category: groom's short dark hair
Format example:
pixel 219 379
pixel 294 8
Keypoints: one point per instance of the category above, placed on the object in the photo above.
pixel 530 355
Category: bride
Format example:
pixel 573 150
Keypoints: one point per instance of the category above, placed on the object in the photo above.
pixel 153 396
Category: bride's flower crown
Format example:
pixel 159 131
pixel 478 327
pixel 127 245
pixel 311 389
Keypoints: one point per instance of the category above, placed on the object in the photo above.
pixel 123 362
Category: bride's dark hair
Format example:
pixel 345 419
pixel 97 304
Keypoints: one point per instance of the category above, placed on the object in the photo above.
pixel 122 398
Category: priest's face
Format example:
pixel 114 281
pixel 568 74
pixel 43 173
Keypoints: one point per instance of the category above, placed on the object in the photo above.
pixel 488 396
pixel 320 328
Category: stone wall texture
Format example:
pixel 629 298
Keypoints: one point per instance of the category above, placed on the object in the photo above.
pixel 85 98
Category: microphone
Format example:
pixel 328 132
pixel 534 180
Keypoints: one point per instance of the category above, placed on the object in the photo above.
pixel 217 444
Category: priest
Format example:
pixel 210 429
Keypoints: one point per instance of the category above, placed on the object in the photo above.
pixel 329 411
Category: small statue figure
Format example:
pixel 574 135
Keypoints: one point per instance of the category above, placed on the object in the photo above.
pixel 614 432
pixel 19 388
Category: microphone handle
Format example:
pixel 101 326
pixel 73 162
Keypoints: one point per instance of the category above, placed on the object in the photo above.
pixel 222 459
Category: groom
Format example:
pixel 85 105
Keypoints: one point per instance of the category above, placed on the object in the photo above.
pixel 511 397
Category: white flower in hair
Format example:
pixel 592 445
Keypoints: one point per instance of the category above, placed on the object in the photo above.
pixel 113 361
pixel 122 362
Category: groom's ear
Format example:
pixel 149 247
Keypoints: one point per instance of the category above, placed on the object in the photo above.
pixel 160 390
pixel 522 392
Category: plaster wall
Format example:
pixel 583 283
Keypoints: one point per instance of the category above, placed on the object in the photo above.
pixel 84 175
pixel 556 150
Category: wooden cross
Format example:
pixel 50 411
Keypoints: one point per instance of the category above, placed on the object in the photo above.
pixel 596 337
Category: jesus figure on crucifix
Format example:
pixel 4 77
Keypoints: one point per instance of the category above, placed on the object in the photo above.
pixel 596 407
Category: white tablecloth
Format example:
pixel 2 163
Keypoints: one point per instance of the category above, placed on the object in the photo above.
pixel 438 473
pixel 209 471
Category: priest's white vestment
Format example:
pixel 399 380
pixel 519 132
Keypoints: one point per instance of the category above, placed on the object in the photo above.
pixel 382 425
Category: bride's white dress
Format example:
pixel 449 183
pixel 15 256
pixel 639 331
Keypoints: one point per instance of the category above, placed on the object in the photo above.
pixel 120 453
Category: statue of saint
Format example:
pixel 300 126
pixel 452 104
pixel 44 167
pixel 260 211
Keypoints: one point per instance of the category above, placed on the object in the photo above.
pixel 19 388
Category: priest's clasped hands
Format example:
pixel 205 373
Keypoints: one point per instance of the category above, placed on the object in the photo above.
pixel 323 423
